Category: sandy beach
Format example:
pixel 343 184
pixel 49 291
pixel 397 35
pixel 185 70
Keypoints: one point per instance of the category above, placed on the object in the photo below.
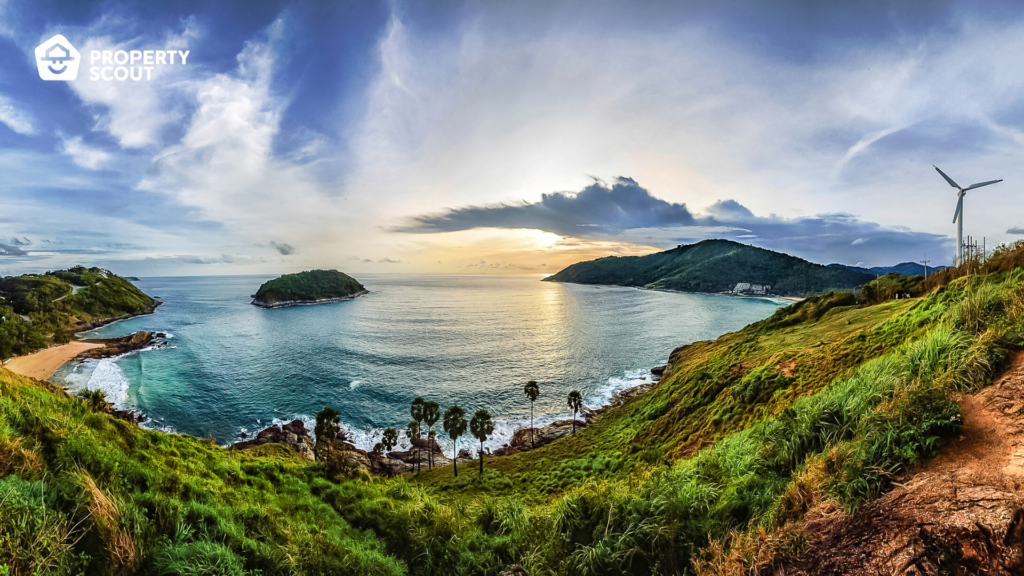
pixel 40 365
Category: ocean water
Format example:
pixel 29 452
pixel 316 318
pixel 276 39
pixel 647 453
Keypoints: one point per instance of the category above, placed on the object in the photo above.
pixel 228 367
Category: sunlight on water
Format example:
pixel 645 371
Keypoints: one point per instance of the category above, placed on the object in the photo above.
pixel 472 340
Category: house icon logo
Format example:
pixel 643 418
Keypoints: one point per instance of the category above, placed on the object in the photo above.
pixel 57 59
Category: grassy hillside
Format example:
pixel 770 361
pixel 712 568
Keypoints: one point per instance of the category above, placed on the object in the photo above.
pixel 40 309
pixel 713 266
pixel 825 401
pixel 307 286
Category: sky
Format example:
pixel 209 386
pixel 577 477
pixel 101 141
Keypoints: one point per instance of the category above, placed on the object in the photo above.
pixel 515 137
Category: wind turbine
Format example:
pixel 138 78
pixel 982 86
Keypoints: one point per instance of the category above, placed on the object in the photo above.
pixel 958 216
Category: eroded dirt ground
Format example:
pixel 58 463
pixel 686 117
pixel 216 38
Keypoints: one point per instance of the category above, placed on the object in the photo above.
pixel 959 513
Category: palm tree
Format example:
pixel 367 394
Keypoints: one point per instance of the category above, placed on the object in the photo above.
pixel 416 411
pixel 431 412
pixel 481 427
pixel 95 399
pixel 532 391
pixel 389 440
pixel 455 426
pixel 575 402
pixel 414 432
pixel 378 449
pixel 326 429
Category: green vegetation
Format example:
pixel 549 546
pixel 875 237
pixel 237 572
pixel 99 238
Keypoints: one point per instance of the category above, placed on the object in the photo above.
pixel 825 403
pixel 481 426
pixel 532 391
pixel 713 266
pixel 311 286
pixel 455 425
pixel 37 310
pixel 575 402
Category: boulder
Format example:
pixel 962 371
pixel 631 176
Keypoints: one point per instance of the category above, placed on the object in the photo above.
pixel 294 434
pixel 521 440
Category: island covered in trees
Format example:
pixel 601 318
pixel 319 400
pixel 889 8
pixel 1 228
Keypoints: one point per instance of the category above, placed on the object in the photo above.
pixel 310 287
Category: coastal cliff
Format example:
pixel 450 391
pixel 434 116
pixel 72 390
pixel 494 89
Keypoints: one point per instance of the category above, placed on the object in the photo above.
pixel 311 287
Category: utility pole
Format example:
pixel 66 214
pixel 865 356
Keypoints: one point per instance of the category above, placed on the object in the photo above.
pixel 925 262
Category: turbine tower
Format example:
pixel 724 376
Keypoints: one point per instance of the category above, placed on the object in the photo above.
pixel 958 216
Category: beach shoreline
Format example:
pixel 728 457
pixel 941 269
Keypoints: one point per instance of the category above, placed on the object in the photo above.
pixel 41 364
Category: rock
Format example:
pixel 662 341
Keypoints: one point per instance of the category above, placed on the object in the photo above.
pixel 522 441
pixel 294 434
pixel 513 570
pixel 463 453
pixel 658 371
pixel 119 346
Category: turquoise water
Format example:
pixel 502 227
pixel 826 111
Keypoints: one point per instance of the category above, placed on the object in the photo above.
pixel 228 367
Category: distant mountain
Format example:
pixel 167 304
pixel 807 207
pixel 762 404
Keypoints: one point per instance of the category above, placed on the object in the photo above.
pixel 904 269
pixel 714 266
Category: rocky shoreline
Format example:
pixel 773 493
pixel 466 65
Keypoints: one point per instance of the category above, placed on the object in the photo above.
pixel 306 302
pixel 121 345
pixel 417 452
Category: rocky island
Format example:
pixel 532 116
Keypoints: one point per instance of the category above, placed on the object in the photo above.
pixel 310 287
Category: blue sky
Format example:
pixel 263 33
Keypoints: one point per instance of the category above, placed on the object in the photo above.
pixel 506 137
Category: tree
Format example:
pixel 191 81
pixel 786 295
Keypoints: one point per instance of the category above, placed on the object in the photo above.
pixel 327 429
pixel 575 402
pixel 532 391
pixel 389 440
pixel 378 449
pixel 481 427
pixel 413 431
pixel 416 411
pixel 455 425
pixel 431 412
pixel 95 399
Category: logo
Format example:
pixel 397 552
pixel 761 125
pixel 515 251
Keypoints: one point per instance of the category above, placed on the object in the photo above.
pixel 57 59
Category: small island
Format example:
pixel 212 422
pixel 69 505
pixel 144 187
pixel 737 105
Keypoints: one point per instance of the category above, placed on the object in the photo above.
pixel 311 287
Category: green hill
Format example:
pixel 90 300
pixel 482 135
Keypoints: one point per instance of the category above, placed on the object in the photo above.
pixel 806 415
pixel 37 310
pixel 307 287
pixel 713 266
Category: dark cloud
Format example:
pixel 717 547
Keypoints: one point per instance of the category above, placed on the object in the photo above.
pixel 627 212
pixel 282 248
pixel 597 209
pixel 8 250
pixel 1015 230
pixel 23 241
pixel 386 260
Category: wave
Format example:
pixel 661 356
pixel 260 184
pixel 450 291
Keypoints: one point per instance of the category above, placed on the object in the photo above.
pixel 504 428
pixel 103 374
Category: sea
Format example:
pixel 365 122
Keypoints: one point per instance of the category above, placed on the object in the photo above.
pixel 227 369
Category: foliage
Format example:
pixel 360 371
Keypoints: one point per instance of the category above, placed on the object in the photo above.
pixel 713 266
pixel 481 427
pixel 826 404
pixel 37 310
pixel 328 425
pixel 455 425
pixel 308 286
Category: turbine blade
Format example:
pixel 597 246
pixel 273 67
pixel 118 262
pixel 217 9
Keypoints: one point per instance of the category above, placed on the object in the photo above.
pixel 980 184
pixel 948 179
pixel 959 208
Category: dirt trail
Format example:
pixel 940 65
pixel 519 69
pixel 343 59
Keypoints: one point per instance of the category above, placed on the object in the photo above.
pixel 959 513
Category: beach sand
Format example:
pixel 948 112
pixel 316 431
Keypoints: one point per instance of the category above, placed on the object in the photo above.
pixel 40 365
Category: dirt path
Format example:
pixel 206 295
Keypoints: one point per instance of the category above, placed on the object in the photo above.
pixel 960 513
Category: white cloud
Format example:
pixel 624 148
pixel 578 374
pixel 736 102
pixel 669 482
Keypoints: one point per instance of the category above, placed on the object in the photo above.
pixel 135 112
pixel 82 154
pixel 14 118
pixel 224 165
